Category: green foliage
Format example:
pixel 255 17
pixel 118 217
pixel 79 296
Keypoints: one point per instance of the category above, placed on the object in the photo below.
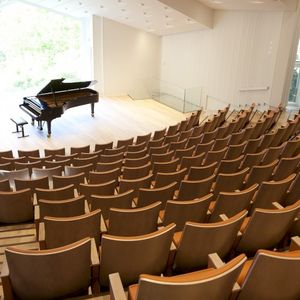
pixel 39 45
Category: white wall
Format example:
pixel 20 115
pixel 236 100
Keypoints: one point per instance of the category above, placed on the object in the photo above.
pixel 239 52
pixel 129 57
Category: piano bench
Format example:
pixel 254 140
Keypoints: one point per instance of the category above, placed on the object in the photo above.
pixel 20 122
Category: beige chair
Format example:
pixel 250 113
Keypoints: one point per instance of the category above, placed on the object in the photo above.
pixel 143 139
pixel 107 188
pixel 258 174
pixel 252 159
pixel 266 228
pixel 200 173
pixel 177 145
pixel 136 172
pixel 62 208
pixel 80 149
pixel 102 177
pixel 212 238
pixel 231 203
pixel 60 231
pixel 191 161
pixel 171 138
pixel 162 157
pixel 16 207
pixel 76 265
pixel 32 184
pixel 63 193
pixel 150 251
pixel 165 167
pixel 82 161
pixel 49 172
pixel 105 202
pixel 111 158
pixel 217 282
pixel 230 165
pixel 27 153
pixel 136 162
pixel 5 186
pixel 214 156
pixel 272 154
pixel 135 184
pixel 147 196
pixel 252 145
pixel 271 191
pixel 115 151
pixel 180 212
pixel 158 134
pixel 229 182
pixel 124 143
pixel 53 152
pixel 203 148
pixel 291 148
pixel 136 154
pixel 158 150
pixel 133 221
pixel 105 167
pixel 163 179
pixel 172 129
pixel 62 181
pixel 271 275
pixel 187 152
pixel 192 189
pixel 220 143
pixel 156 143
pixel 235 151
pixel 28 165
pixel 70 170
pixel 102 147
pixel 286 167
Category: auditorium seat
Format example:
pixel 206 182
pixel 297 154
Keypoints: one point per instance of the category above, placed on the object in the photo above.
pixel 114 151
pixel 180 212
pixel 220 143
pixel 143 139
pixel 62 181
pixel 202 172
pixel 158 134
pixel 102 147
pixel 165 167
pixel 49 172
pixel 197 240
pixel 136 162
pixel 105 202
pixel 105 167
pixel 286 167
pixel 191 161
pixel 124 143
pixel 136 154
pixel 16 207
pixel 132 256
pixel 133 221
pixel 217 282
pixel 26 153
pixel 103 177
pixel 5 186
pixel 147 196
pixel 63 193
pixel 266 228
pixel 74 170
pixel 136 172
pixel 163 179
pixel 80 149
pixel 162 157
pixel 135 184
pixel 88 189
pixel 53 152
pixel 230 165
pixel 32 184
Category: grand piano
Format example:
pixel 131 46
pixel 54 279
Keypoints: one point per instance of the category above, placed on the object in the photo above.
pixel 56 97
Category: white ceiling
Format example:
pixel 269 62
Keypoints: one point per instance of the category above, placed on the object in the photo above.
pixel 152 15
pixel 266 5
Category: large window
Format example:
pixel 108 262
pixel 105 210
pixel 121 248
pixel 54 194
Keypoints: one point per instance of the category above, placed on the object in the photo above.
pixel 294 95
pixel 37 45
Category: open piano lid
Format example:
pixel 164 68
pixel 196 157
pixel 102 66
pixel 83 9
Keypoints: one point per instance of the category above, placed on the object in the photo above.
pixel 57 85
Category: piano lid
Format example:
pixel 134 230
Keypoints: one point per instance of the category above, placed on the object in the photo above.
pixel 57 85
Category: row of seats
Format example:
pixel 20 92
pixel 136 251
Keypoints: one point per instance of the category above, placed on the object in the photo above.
pixel 227 235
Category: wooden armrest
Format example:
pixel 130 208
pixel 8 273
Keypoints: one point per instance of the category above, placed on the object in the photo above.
pixel 6 285
pixel 223 217
pixel 214 261
pixel 36 213
pixel 295 243
pixel 86 207
pixel 95 268
pixel 116 288
pixel 277 205
pixel 41 237
pixel 103 225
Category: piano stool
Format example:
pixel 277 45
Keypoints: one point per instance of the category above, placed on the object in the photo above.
pixel 20 122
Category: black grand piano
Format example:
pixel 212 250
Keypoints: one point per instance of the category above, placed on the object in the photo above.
pixel 56 97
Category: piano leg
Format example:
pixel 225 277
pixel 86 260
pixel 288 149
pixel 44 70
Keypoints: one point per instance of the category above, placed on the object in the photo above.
pixel 32 121
pixel 40 125
pixel 49 128
pixel 92 108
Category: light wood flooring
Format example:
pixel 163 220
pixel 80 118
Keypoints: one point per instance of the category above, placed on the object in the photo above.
pixel 115 118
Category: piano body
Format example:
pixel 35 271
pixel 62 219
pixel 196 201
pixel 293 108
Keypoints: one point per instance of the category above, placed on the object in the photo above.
pixel 56 97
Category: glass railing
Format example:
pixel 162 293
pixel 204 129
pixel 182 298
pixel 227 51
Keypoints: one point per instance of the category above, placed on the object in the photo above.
pixel 179 98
